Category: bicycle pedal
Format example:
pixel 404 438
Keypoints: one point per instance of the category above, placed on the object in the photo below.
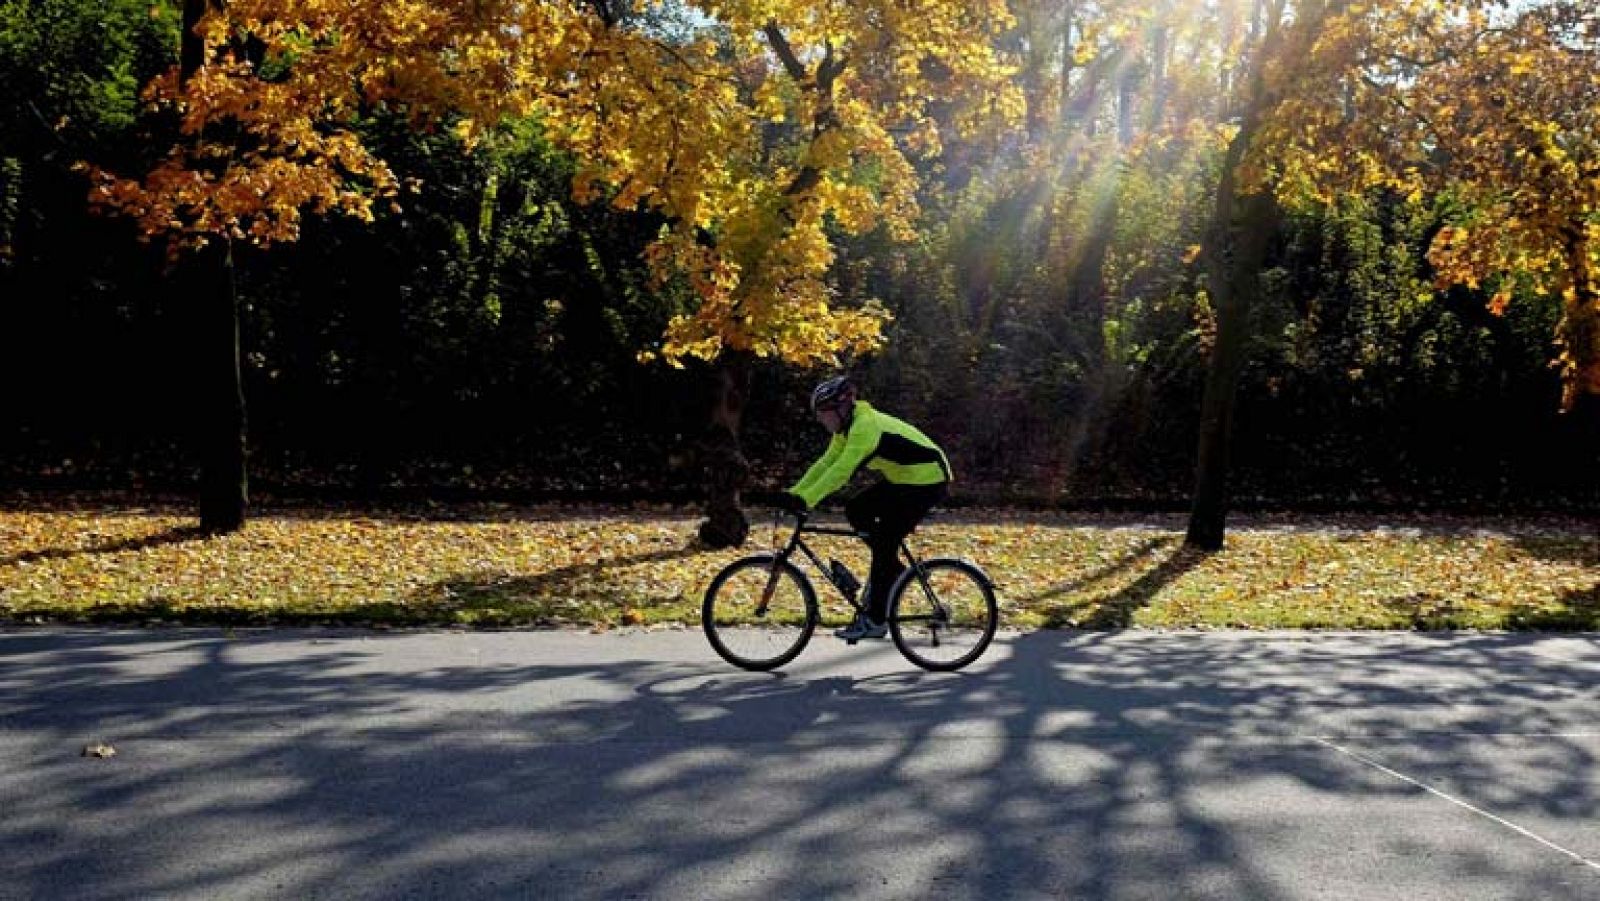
pixel 852 641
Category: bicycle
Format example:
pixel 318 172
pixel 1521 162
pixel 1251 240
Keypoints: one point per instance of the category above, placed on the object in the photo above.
pixel 760 611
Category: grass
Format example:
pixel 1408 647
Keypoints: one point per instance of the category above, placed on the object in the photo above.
pixel 546 566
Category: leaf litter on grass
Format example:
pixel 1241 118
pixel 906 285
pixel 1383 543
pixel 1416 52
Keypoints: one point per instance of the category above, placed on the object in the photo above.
pixel 617 567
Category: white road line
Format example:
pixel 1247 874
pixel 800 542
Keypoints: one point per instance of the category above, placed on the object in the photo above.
pixel 1458 802
pixel 1452 733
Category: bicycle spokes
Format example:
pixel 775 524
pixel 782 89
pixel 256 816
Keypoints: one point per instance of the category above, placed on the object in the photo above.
pixel 945 617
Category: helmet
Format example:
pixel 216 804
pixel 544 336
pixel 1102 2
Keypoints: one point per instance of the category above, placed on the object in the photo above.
pixel 830 390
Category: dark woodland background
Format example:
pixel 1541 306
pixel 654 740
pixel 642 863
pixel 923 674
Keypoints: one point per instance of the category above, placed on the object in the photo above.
pixel 483 343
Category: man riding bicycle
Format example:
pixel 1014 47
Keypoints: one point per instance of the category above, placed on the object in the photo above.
pixel 916 476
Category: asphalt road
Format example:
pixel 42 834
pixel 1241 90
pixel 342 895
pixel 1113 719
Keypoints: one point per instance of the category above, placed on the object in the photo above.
pixel 1122 765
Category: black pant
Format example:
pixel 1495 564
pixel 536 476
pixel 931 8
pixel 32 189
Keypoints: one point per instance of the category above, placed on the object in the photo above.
pixel 887 513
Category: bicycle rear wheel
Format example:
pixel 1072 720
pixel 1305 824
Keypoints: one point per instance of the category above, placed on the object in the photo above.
pixel 945 619
pixel 759 612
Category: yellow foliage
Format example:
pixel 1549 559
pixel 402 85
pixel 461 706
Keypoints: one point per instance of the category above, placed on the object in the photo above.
pixel 749 206
pixel 1502 118
pixel 678 124
pixel 257 151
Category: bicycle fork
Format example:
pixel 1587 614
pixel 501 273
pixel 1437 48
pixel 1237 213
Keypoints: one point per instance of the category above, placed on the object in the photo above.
pixel 772 586
pixel 940 614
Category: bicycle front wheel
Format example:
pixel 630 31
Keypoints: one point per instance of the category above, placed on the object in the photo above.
pixel 759 612
pixel 945 618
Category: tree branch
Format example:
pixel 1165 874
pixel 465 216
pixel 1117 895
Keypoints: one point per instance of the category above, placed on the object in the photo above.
pixel 602 9
pixel 780 46
pixel 830 68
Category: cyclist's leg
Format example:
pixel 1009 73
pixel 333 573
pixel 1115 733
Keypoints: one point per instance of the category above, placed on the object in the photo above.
pixel 861 510
pixel 866 513
pixel 894 510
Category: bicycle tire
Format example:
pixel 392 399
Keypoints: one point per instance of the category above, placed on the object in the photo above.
pixel 916 629
pixel 730 607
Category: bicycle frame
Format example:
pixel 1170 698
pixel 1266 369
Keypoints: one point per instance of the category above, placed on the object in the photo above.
pixel 796 541
pixel 966 619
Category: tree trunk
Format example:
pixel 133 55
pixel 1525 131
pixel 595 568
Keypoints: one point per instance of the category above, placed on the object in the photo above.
pixel 1159 83
pixel 208 283
pixel 1086 294
pixel 1579 329
pixel 1225 33
pixel 373 434
pixel 191 49
pixel 1127 99
pixel 723 465
pixel 1035 56
pixel 1231 297
pixel 1242 226
pixel 1086 281
pixel 221 415
pixel 1068 62
pixel 1237 240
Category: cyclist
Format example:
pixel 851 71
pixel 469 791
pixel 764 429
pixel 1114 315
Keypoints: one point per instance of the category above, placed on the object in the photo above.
pixel 915 477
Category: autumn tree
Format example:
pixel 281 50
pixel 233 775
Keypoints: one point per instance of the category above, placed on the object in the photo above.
pixel 1311 100
pixel 763 132
pixel 756 129
pixel 1236 246
pixel 269 97
pixel 1496 110
pixel 1493 108
pixel 1121 96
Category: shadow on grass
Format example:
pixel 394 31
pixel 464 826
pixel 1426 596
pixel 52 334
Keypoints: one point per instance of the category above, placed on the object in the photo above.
pixel 395 511
pixel 576 592
pixel 1579 549
pixel 175 535
pixel 581 594
pixel 1578 608
pixel 1425 611
pixel 1143 550
pixel 160 611
pixel 1118 610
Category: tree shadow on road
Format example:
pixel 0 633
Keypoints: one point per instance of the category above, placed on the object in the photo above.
pixel 1068 764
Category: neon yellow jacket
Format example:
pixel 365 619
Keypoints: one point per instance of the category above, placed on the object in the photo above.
pixel 881 442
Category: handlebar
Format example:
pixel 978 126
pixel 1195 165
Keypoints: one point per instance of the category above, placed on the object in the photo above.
pixel 801 517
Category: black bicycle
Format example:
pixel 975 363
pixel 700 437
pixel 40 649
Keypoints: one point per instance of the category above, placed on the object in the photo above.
pixel 761 610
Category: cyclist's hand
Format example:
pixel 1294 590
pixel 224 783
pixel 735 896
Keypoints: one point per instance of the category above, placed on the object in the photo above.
pixel 789 502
